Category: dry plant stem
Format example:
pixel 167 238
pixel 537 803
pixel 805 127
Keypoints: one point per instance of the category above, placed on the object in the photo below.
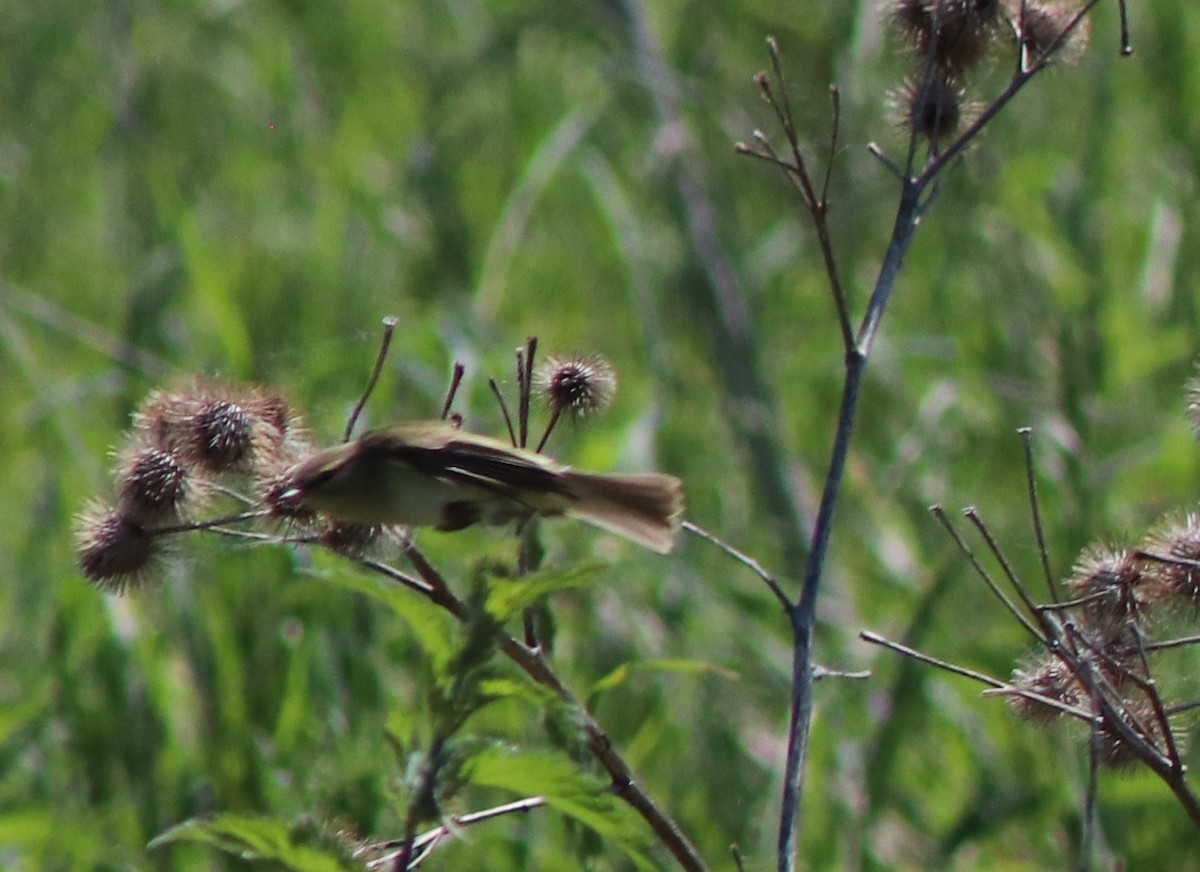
pixel 883 642
pixel 429 773
pixel 818 205
pixel 525 387
pixel 389 327
pixel 744 559
pixel 550 425
pixel 210 524
pixel 1087 838
pixel 966 551
pixel 1035 512
pixel 455 380
pixel 1181 642
pixel 534 664
pixel 1166 766
pixel 1047 629
pixel 512 434
pixel 912 201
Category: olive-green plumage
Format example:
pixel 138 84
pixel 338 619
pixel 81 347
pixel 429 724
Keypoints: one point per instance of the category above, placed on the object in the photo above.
pixel 429 474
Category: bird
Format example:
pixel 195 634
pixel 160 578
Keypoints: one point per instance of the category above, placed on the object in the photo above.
pixel 433 474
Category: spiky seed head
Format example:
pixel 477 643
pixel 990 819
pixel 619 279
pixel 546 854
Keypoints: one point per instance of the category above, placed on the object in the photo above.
pixel 931 107
pixel 221 428
pixel 1043 23
pixel 154 486
pixel 224 435
pixel 910 18
pixel 115 553
pixel 1115 751
pixel 578 385
pixel 1114 584
pixel 1047 677
pixel 1171 571
pixel 950 35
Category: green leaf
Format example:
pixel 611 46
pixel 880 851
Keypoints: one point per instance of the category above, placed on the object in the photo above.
pixel 568 791
pixel 255 838
pixel 508 596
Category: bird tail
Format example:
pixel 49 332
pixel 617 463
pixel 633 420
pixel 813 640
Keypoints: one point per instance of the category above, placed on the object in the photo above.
pixel 646 509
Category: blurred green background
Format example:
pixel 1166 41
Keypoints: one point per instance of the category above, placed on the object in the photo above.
pixel 244 189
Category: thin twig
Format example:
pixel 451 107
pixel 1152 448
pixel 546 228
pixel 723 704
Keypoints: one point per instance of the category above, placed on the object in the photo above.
pixel 744 559
pixel 883 642
pixel 455 380
pixel 210 524
pixel 554 416
pixel 389 327
pixel 964 549
pixel 512 434
pixel 525 387
pixel 1048 630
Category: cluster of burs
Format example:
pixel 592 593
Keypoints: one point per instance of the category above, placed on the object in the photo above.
pixel 1102 636
pixel 188 446
pixel 950 40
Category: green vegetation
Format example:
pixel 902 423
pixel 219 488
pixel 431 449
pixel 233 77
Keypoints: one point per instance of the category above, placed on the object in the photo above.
pixel 242 191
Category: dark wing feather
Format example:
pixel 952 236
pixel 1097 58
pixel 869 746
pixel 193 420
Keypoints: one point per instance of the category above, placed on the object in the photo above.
pixel 438 450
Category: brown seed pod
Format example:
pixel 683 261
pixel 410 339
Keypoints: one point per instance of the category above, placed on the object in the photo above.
pixel 951 35
pixel 219 428
pixel 115 553
pixel 1172 562
pixel 1114 585
pixel 1048 677
pixel 931 107
pixel 154 486
pixel 1040 26
pixel 577 385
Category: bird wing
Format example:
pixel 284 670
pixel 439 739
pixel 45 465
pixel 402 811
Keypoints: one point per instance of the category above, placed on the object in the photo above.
pixel 440 450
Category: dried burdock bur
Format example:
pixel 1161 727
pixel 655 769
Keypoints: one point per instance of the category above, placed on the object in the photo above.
pixel 1114 585
pixel 933 108
pixel 219 428
pixel 1114 751
pixel 1040 26
pixel 950 35
pixel 1172 564
pixel 154 487
pixel 278 495
pixel 115 553
pixel 577 385
pixel 1049 677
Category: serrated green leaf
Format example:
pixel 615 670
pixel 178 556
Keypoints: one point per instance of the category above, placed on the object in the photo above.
pixel 568 791
pixel 255 838
pixel 508 597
